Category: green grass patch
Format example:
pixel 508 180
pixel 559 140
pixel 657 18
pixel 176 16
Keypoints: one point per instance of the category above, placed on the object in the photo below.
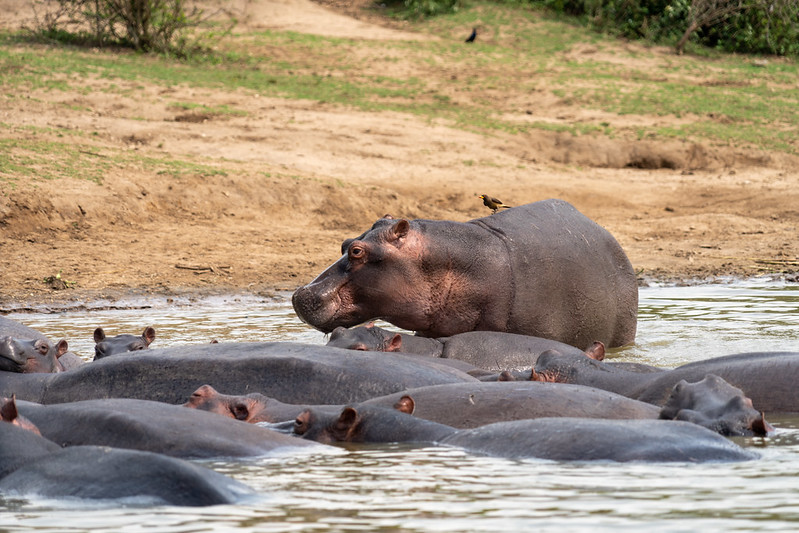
pixel 521 56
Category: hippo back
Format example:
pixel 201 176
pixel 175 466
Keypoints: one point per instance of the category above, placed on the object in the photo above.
pixel 289 372
pixel 573 282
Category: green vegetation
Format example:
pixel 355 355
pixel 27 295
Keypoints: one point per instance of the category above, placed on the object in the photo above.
pixel 164 26
pixel 522 60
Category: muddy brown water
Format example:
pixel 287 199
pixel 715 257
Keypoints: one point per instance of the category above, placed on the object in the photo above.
pixel 404 488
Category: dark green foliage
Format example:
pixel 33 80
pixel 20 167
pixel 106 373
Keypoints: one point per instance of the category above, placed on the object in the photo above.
pixel 417 9
pixel 759 26
pixel 768 27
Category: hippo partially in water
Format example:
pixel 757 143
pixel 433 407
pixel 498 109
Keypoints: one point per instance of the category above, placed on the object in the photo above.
pixel 31 465
pixel 489 350
pixel 768 378
pixel 541 269
pixel 559 439
pixel 122 343
pixel 288 371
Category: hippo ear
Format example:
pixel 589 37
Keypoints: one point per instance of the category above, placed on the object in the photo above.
pixel 8 411
pixel 347 424
pixel 399 230
pixel 99 335
pixel 762 428
pixel 61 348
pixel 345 245
pixel 405 405
pixel 596 351
pixel 395 344
pixel 148 335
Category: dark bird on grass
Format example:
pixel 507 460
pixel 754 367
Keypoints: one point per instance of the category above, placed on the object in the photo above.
pixel 472 36
pixel 492 203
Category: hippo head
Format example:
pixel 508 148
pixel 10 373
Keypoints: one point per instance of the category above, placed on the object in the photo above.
pixel 9 414
pixel 377 274
pixel 555 367
pixel 327 428
pixel 31 356
pixel 106 346
pixel 717 405
pixel 366 338
pixel 250 408
pixel 369 423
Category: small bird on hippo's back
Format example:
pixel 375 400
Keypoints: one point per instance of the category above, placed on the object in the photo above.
pixel 493 203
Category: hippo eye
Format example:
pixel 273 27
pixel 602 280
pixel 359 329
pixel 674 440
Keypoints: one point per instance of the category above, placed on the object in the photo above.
pixel 360 347
pixel 356 252
pixel 299 426
pixel 42 348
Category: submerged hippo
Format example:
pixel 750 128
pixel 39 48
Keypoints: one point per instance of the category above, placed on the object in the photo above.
pixel 559 439
pixel 711 403
pixel 461 405
pixel 124 342
pixel 252 408
pixel 12 328
pixel 152 426
pixel 290 372
pixel 31 356
pixel 31 465
pixel 489 350
pixel 541 269
pixel 767 378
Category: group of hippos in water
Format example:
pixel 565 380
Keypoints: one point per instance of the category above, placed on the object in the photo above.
pixel 511 312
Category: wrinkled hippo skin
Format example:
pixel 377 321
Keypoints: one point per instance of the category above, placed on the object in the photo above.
pixel 31 356
pixel 151 426
pixel 542 269
pixel 559 439
pixel 14 329
pixel 32 465
pixel 489 350
pixel 124 342
pixel 767 378
pixel 289 372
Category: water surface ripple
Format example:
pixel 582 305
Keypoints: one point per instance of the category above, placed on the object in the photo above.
pixel 429 489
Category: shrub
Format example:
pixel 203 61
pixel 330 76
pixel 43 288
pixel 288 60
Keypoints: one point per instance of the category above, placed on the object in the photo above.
pixel 167 26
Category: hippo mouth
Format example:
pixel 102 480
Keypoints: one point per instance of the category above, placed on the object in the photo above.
pixel 324 312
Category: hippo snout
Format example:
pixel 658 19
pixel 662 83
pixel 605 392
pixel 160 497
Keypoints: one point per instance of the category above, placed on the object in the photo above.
pixel 310 308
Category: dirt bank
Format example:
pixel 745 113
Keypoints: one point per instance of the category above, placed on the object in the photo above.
pixel 309 174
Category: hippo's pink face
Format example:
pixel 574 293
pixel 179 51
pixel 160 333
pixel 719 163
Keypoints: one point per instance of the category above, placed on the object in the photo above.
pixel 380 275
pixel 31 356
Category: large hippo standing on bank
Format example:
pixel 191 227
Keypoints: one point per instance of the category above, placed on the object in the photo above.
pixel 541 269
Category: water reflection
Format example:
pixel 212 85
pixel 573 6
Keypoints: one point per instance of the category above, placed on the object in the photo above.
pixel 404 488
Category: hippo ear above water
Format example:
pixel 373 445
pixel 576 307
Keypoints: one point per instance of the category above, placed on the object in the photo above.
pixel 395 344
pixel 99 335
pixel 347 424
pixel 405 405
pixel 61 348
pixel 148 335
pixel 596 351
pixel 399 230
